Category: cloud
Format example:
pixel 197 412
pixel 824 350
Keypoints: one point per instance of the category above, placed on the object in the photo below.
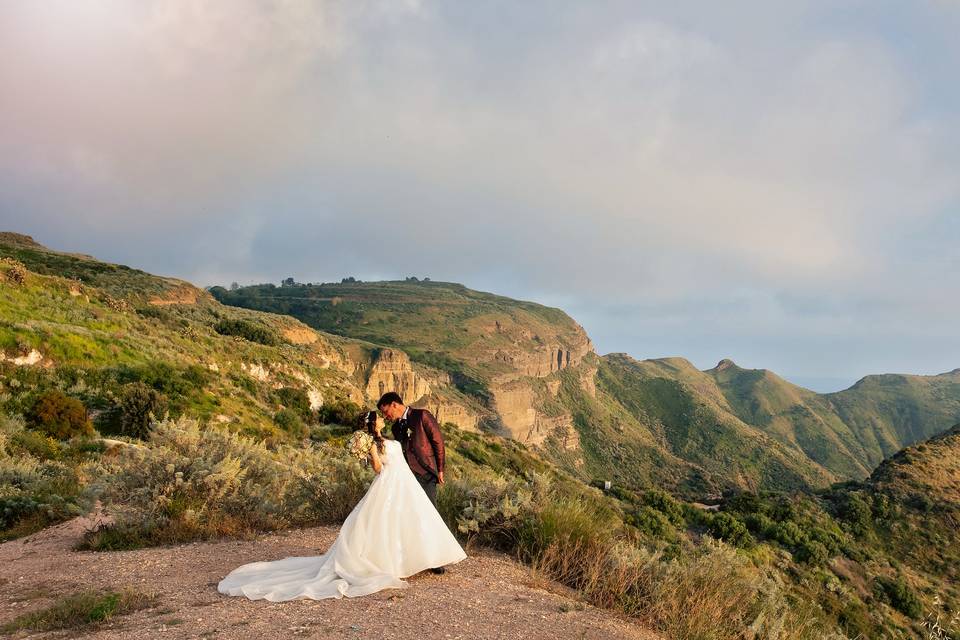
pixel 770 171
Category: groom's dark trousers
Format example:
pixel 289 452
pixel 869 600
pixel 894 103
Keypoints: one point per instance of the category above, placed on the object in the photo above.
pixel 429 484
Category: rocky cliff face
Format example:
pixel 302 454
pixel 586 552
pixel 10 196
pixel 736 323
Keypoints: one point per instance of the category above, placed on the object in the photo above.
pixel 391 371
pixel 533 355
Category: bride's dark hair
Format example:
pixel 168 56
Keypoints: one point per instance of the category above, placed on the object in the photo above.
pixel 368 422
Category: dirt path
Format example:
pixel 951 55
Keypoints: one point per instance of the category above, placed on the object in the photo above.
pixel 486 596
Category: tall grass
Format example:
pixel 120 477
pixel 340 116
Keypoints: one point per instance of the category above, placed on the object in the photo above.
pixel 710 592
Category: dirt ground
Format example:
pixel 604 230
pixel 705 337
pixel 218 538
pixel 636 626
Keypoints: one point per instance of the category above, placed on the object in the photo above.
pixel 486 596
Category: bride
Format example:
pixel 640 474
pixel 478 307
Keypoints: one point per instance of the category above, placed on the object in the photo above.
pixel 392 533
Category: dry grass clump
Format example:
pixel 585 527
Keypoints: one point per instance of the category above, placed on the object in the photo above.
pixel 82 610
pixel 192 483
pixel 16 272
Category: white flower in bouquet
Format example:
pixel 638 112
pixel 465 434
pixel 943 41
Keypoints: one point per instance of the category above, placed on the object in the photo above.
pixel 360 444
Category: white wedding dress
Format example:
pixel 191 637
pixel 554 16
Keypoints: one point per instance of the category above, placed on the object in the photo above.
pixel 393 532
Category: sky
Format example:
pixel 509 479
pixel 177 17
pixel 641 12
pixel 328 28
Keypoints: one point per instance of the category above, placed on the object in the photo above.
pixel 776 183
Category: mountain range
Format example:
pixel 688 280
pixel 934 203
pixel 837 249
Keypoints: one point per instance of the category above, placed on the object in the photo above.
pixel 530 372
pixel 480 361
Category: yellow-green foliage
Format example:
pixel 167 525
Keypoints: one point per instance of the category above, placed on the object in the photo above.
pixel 41 479
pixel 188 482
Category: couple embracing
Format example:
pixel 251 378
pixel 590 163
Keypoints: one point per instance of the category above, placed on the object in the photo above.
pixel 394 531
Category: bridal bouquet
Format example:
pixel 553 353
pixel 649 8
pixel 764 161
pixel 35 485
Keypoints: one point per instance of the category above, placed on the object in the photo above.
pixel 360 444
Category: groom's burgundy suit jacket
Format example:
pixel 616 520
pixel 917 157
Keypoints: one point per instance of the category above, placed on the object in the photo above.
pixel 419 435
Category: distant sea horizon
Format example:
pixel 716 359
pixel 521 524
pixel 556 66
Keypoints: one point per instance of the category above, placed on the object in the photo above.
pixel 822 384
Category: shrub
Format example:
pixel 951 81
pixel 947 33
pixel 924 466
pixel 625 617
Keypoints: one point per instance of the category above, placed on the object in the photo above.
pixel 290 421
pixel 813 553
pixel 36 444
pixel 16 271
pixel 34 493
pixel 758 523
pixel 154 312
pixel 731 530
pixel 247 331
pixel 667 505
pixel 189 484
pixel 339 411
pixel 59 416
pixel 296 400
pixel 653 523
pixel 899 595
pixel 139 406
pixel 855 510
pixel 745 503
pixel 788 533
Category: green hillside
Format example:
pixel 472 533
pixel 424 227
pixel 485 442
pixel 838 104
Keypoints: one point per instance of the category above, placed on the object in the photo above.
pixel 475 335
pixel 848 432
pixel 259 406
pixel 889 412
pixel 93 329
pixel 643 423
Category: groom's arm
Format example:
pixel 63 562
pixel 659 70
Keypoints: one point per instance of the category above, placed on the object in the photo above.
pixel 432 430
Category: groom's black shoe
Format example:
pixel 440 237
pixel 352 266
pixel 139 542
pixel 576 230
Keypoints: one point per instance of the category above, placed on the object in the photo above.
pixel 438 570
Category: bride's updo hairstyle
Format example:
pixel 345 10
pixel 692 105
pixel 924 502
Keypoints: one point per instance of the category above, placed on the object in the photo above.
pixel 368 422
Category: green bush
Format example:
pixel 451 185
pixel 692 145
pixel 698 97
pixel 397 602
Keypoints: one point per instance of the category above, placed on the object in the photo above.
pixel 899 595
pixel 59 416
pixel 731 530
pixel 139 406
pixel 812 552
pixel 35 492
pixel 788 533
pixel 296 400
pixel 653 523
pixel 758 523
pixel 667 505
pixel 247 331
pixel 744 503
pixel 290 421
pixel 36 444
pixel 855 509
pixel 339 411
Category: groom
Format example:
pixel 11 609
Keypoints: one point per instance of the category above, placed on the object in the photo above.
pixel 418 433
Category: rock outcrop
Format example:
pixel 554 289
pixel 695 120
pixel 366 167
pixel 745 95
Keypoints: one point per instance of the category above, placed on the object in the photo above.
pixel 391 370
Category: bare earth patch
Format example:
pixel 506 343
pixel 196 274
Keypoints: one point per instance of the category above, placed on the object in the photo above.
pixel 486 596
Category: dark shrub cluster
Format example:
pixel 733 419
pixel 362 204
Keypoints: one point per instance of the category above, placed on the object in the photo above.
pixel 59 416
pixel 139 406
pixel 289 420
pixel 339 411
pixel 898 595
pixel 247 331
pixel 295 400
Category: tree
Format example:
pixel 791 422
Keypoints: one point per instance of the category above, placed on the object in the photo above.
pixel 234 286
pixel 59 416
pixel 139 406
